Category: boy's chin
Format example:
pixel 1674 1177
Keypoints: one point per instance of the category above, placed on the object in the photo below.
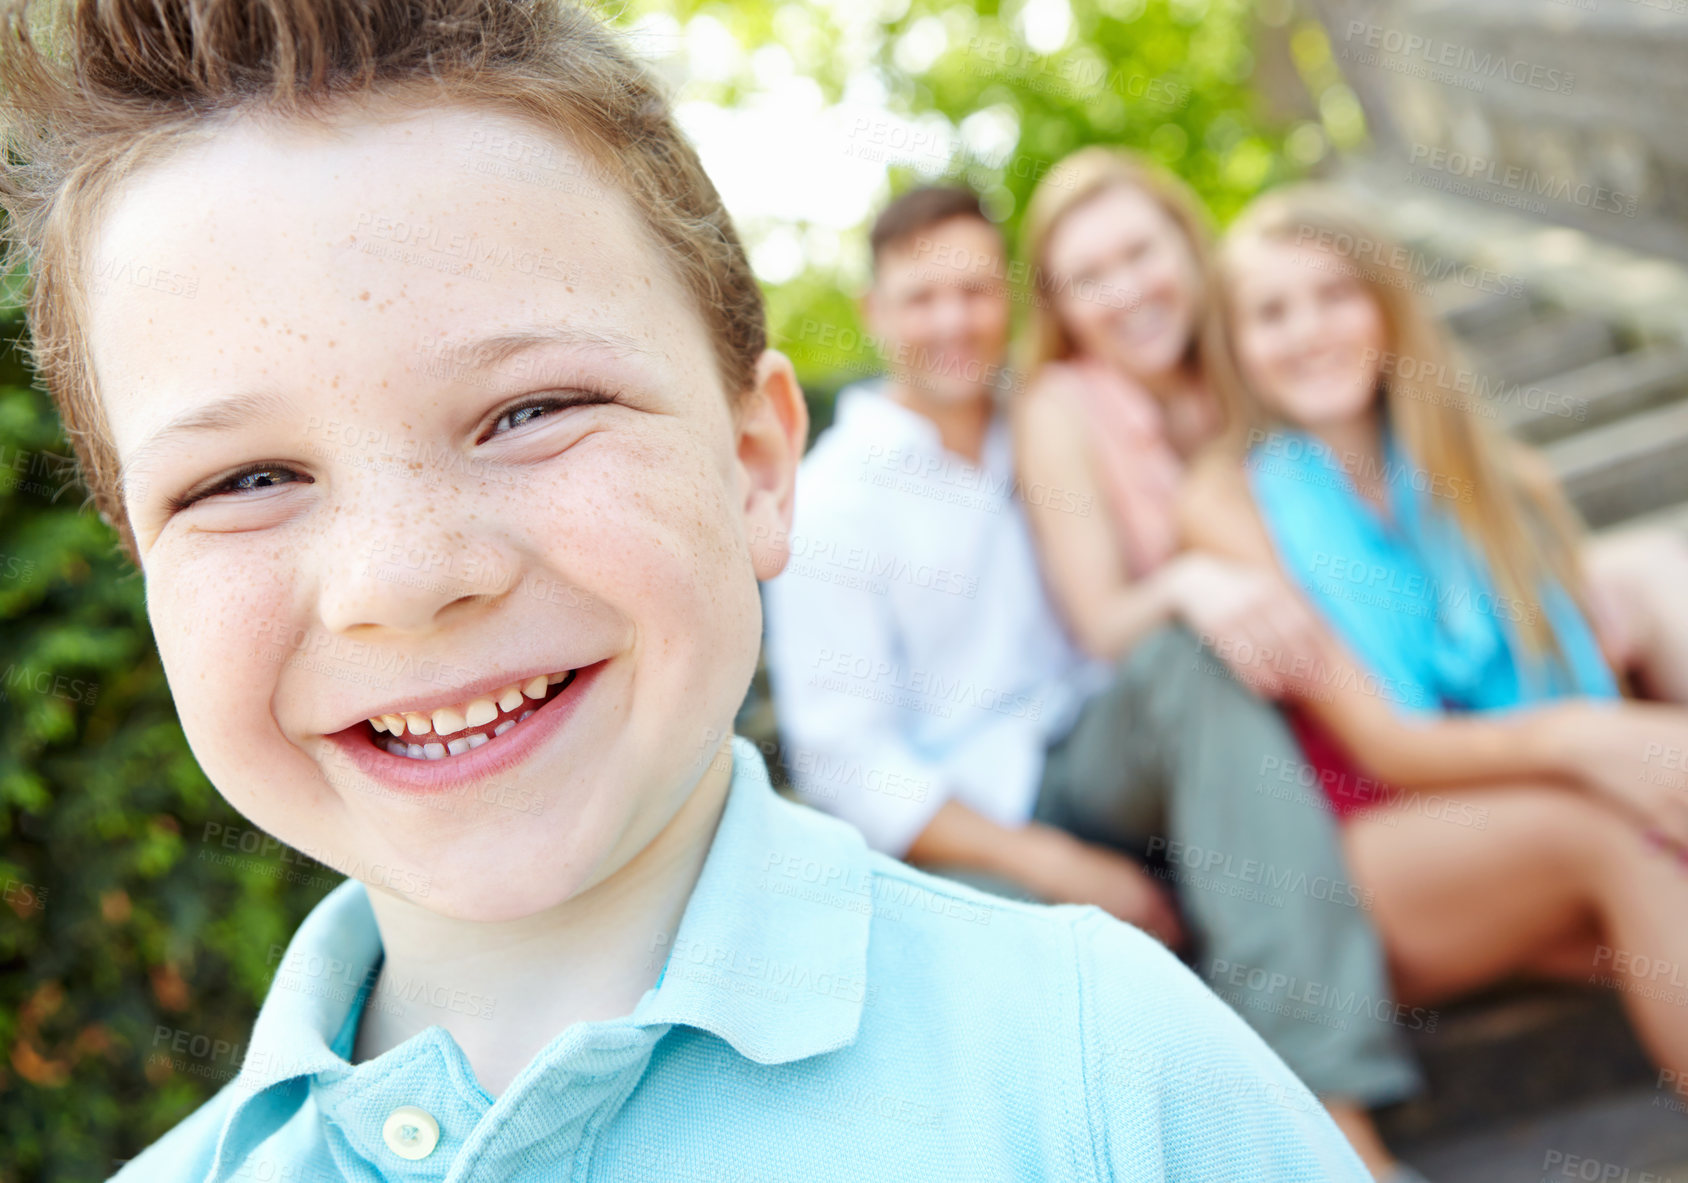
pixel 489 864
pixel 490 891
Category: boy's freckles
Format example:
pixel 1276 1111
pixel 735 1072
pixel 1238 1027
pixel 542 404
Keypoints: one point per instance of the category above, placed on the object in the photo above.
pixel 599 533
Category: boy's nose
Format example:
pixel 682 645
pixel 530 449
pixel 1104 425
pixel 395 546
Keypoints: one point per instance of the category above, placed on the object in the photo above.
pixel 408 595
pixel 379 570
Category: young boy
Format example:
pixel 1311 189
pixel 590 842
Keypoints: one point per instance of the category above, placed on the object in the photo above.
pixel 926 692
pixel 582 937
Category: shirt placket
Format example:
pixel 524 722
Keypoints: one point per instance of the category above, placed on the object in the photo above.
pixel 409 1122
pixel 543 1131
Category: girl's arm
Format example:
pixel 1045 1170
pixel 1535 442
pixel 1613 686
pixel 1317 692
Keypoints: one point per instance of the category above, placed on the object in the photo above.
pixel 1105 611
pixel 1217 513
pixel 1231 607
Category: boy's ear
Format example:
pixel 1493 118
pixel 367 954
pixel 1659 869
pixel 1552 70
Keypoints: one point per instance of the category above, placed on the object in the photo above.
pixel 773 428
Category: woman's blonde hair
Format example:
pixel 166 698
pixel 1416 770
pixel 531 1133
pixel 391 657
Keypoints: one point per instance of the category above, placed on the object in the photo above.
pixel 1503 496
pixel 127 82
pixel 1075 181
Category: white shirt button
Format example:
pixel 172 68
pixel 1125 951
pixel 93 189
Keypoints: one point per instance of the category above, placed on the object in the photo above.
pixel 411 1132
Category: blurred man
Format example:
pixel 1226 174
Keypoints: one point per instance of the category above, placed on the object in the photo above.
pixel 912 630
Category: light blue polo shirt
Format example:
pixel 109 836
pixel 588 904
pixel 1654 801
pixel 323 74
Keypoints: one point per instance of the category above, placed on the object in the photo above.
pixel 824 1013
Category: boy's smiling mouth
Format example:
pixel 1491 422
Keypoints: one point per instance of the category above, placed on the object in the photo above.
pixel 462 727
pixel 450 752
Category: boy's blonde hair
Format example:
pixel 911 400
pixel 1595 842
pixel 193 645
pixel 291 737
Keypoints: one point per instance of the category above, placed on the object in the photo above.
pixel 125 83
pixel 1504 496
pixel 1075 181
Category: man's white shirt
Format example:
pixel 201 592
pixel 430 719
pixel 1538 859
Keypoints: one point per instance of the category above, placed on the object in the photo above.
pixel 913 652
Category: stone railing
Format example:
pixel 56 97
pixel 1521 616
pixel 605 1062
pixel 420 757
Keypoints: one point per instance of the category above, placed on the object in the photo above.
pixel 1567 111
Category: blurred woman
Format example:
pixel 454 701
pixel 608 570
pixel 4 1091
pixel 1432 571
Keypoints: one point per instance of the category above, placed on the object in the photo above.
pixel 1510 811
pixel 1115 406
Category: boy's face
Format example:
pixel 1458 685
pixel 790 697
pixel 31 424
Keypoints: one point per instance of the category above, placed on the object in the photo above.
pixel 939 305
pixel 380 521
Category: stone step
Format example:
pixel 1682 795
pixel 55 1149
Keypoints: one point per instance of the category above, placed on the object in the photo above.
pixel 1598 393
pixel 1633 1136
pixel 1514 1053
pixel 1669 517
pixel 1476 316
pixel 1549 344
pixel 1621 470
pixel 1645 294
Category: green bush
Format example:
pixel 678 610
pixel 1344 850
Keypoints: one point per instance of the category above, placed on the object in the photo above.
pixel 132 912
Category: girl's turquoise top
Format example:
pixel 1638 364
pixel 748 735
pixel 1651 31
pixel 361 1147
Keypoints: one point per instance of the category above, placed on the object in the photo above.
pixel 1409 595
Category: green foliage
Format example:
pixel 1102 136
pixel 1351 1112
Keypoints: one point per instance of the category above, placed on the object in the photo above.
pixel 1166 79
pixel 123 922
pixel 132 934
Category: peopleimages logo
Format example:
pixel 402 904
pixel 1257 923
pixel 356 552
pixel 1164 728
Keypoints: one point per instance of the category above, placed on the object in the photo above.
pixel 1525 181
pixel 1437 52
pixel 1370 256
pixel 1420 379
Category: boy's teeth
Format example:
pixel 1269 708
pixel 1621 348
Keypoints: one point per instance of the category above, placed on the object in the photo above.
pixel 453 719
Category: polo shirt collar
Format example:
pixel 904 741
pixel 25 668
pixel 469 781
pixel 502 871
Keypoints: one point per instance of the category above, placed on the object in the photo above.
pixel 770 955
pixel 305 1023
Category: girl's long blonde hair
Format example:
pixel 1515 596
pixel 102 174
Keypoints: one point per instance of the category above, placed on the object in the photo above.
pixel 1503 496
pixel 1086 174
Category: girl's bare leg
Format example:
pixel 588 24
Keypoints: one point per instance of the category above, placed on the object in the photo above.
pixel 1460 906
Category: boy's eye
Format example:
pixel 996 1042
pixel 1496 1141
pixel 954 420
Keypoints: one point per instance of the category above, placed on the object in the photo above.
pixel 248 480
pixel 522 414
